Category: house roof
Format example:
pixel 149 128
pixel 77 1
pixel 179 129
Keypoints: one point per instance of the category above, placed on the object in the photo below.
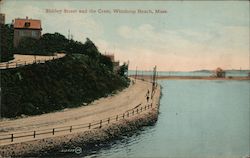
pixel 27 24
pixel 219 70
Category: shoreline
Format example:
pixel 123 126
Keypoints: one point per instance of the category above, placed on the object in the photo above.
pixel 85 138
pixel 147 77
pixel 202 78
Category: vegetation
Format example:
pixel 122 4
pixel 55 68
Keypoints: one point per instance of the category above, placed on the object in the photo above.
pixel 123 70
pixel 49 43
pixel 46 45
pixel 6 42
pixel 62 83
pixel 71 81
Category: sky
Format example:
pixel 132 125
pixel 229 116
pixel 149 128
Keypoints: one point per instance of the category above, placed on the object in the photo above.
pixel 187 36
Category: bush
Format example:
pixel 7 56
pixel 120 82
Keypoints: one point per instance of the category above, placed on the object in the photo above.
pixel 63 83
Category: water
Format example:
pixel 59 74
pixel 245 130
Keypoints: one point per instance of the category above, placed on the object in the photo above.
pixel 197 118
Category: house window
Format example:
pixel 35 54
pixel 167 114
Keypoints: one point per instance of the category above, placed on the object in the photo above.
pixel 22 33
pixel 34 34
pixel 27 24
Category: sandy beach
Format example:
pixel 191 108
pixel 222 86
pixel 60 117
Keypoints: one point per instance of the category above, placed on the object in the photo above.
pixel 129 98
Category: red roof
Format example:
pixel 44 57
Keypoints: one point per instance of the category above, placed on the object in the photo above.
pixel 27 23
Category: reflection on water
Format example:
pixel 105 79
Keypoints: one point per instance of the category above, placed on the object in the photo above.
pixel 197 119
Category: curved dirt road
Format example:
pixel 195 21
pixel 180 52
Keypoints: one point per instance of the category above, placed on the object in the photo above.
pixel 125 100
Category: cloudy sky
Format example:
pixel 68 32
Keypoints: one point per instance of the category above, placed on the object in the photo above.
pixel 190 36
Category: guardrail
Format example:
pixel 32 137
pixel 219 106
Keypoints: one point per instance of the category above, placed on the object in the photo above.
pixel 9 65
pixel 92 125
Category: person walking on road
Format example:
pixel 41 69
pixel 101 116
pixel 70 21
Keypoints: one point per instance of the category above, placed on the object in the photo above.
pixel 147 95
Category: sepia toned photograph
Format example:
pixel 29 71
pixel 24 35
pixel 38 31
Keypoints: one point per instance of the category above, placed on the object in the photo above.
pixel 125 79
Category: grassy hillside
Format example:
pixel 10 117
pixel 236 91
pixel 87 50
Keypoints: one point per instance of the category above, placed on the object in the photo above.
pixel 67 82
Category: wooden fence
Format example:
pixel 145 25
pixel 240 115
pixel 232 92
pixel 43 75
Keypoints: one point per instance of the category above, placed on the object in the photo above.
pixel 92 125
pixel 9 65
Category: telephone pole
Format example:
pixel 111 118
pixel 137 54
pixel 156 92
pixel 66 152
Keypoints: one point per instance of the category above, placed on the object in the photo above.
pixel 128 69
pixel 153 82
pixel 135 73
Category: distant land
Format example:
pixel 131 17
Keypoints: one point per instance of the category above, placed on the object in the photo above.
pixel 233 70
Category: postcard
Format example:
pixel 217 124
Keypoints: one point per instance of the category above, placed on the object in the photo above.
pixel 124 78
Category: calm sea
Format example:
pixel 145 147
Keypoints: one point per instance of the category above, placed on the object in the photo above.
pixel 198 118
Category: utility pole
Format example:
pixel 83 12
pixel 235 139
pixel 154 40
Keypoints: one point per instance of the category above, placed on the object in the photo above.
pixel 153 82
pixel 128 68
pixel 69 34
pixel 157 75
pixel 135 73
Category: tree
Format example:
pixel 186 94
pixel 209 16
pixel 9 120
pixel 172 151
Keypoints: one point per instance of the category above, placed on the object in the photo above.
pixel 27 45
pixel 107 62
pixel 52 43
pixel 46 45
pixel 123 70
pixel 91 50
pixel 6 42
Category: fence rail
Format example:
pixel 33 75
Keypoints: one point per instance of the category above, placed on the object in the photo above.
pixel 9 65
pixel 92 125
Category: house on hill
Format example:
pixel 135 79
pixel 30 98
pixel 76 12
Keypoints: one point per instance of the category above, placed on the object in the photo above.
pixel 26 28
pixel 219 73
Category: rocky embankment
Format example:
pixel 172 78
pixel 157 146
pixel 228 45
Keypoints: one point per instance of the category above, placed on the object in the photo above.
pixel 85 139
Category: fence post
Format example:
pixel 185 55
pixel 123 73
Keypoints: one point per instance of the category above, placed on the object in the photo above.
pixel 116 117
pixel 70 129
pixel 89 125
pixel 34 135
pixel 53 132
pixel 108 120
pixel 101 124
pixel 123 115
pixel 12 137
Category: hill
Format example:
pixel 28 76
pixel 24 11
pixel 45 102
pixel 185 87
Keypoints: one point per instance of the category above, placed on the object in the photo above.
pixel 71 81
